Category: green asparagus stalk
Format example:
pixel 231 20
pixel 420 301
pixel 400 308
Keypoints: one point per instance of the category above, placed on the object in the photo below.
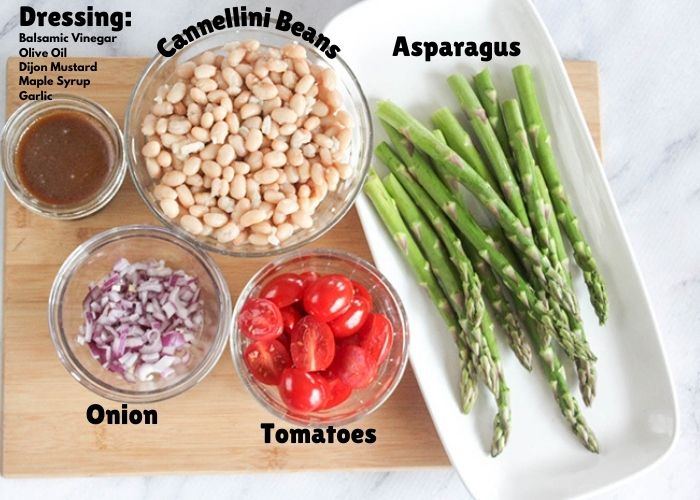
pixel 557 380
pixel 458 140
pixel 488 96
pixel 482 339
pixel 585 369
pixel 436 255
pixel 489 142
pixel 501 424
pixel 388 213
pixel 493 290
pixel 517 233
pixel 415 165
pixel 565 214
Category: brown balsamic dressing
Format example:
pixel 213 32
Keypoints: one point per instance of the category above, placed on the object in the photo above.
pixel 64 157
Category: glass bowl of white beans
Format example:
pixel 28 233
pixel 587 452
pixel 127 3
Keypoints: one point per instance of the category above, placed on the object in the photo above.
pixel 248 142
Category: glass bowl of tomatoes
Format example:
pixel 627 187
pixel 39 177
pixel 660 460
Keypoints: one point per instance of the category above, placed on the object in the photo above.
pixel 320 337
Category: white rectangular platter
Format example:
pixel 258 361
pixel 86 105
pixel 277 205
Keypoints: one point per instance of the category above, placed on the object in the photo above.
pixel 634 415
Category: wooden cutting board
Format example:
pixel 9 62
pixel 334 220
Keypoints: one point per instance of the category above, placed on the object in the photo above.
pixel 214 427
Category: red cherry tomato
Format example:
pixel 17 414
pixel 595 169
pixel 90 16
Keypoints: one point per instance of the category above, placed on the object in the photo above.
pixel 312 345
pixel 301 391
pixel 284 290
pixel 376 337
pixel 308 277
pixel 290 316
pixel 336 391
pixel 362 292
pixel 328 297
pixel 353 366
pixel 284 339
pixel 260 319
pixel 267 360
pixel 351 320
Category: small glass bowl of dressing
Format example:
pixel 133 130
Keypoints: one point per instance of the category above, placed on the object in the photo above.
pixel 62 158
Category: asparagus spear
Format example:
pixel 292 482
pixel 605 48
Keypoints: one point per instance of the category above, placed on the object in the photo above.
pixel 493 290
pixel 560 388
pixel 481 339
pixel 415 163
pixel 501 424
pixel 488 96
pixel 489 142
pixel 516 232
pixel 458 139
pixel 386 208
pixel 436 255
pixel 543 149
pixel 584 369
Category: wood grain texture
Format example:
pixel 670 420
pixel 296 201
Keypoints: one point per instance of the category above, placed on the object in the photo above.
pixel 214 427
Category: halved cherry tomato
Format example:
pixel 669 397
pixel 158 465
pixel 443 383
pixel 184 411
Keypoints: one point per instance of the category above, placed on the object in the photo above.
pixel 352 366
pixel 351 320
pixel 301 391
pixel 284 339
pixel 336 391
pixel 290 316
pixel 284 290
pixel 376 337
pixel 260 319
pixel 308 277
pixel 267 360
pixel 362 292
pixel 328 297
pixel 312 345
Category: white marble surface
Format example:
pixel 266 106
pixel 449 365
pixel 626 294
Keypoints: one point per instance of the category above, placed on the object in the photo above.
pixel 650 97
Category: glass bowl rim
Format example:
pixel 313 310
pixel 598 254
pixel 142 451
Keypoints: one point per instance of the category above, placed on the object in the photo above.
pixel 83 375
pixel 112 185
pixel 366 267
pixel 132 162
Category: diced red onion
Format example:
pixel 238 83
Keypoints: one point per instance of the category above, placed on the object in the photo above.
pixel 141 319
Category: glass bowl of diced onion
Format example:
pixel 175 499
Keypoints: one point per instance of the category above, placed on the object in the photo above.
pixel 138 314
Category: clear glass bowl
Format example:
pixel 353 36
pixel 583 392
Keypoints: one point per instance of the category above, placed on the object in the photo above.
pixel 31 111
pixel 162 70
pixel 91 261
pixel 386 301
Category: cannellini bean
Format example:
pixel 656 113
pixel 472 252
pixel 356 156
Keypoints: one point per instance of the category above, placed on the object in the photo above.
pixel 197 210
pixel 191 224
pixel 164 159
pixel 287 206
pixel 283 115
pixel 191 165
pixel 263 227
pixel 294 51
pixel 173 178
pixel 195 180
pixel 219 131
pixel 284 231
pixel 249 109
pixel 153 168
pixel 302 219
pixel 266 175
pixel 179 126
pixel 227 173
pixel 254 140
pixel 241 167
pixel 304 84
pixel 207 120
pixel 211 169
pixel 148 125
pixel 151 149
pixel 225 155
pixel 215 220
pixel 226 204
pixel 198 95
pixel 227 232
pixel 252 217
pixel 170 208
pixel 257 239
pixel 301 67
pixel 274 159
pixel 184 196
pixel 176 93
pixel 273 196
pixel 163 192
pixel 238 187
pixel 265 90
